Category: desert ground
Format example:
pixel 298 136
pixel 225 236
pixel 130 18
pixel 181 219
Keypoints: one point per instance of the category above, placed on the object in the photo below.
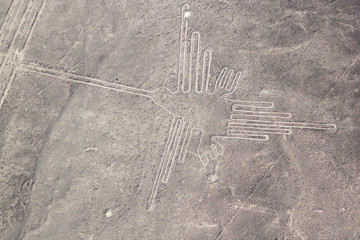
pixel 213 119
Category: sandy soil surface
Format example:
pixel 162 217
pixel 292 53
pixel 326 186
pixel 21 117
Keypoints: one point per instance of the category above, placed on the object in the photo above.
pixel 214 119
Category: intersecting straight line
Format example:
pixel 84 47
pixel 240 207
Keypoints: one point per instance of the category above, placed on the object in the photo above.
pixel 250 195
pixel 14 55
pixel 84 80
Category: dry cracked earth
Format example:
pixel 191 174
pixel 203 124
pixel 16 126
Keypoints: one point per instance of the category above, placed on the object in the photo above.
pixel 82 146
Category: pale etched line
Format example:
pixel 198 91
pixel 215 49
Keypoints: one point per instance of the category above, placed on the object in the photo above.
pixel 256 137
pixel 70 77
pixel 225 80
pixel 17 31
pixel 221 78
pixel 258 183
pixel 33 11
pixel 236 110
pixel 342 76
pixel 23 25
pixel 15 55
pixel 215 150
pixel 213 147
pixel 174 151
pixel 155 187
pixel 252 104
pixel 37 12
pixel 195 37
pixel 249 130
pixel 84 80
pixel 228 78
pixel 210 155
pixel 8 14
pixel 184 46
pixel 185 49
pixel 232 124
pixel 170 150
pixel 254 116
pixel 185 144
pixel 190 65
pixel 299 125
pixel 219 147
pixel 231 85
pixel 10 49
pixel 8 23
pixel 260 114
pixel 202 15
pixel 27 25
pixel 203 158
pixel 7 88
pixel 182 50
pixel 198 87
pixel 29 99
pixel 255 208
pixel 7 20
pixel 206 69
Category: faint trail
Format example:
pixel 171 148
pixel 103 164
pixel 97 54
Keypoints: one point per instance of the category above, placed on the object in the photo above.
pixel 17 46
pixel 243 205
pixel 32 27
pixel 28 100
pixel 96 50
pixel 341 77
pixel 8 24
pixel 121 211
pixel 7 31
pixel 201 17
